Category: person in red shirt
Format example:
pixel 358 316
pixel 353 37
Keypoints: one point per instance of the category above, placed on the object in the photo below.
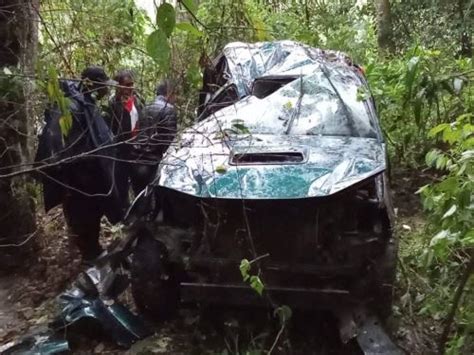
pixel 123 120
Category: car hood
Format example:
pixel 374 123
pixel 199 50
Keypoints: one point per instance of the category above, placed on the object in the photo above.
pixel 205 166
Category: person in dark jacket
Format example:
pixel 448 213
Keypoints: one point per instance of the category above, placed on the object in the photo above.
pixel 77 163
pixel 124 109
pixel 158 129
pixel 123 119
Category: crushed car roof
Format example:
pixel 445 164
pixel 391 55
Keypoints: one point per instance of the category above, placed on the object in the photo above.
pixel 248 61
pixel 315 135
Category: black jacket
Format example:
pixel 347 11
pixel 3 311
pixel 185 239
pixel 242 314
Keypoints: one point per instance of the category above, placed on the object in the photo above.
pixel 118 119
pixel 85 175
pixel 158 125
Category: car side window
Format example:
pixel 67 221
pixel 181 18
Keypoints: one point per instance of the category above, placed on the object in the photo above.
pixel 224 97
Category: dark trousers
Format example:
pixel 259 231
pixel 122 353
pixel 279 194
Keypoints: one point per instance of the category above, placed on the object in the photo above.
pixel 83 215
pixel 122 179
pixel 138 175
pixel 141 175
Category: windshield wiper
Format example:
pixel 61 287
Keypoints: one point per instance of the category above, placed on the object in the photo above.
pixel 347 111
pixel 296 112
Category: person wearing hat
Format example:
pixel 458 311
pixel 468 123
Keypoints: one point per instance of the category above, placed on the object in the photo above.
pixel 83 157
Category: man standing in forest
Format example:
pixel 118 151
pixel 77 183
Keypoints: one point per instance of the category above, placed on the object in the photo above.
pixel 123 119
pixel 84 180
pixel 159 125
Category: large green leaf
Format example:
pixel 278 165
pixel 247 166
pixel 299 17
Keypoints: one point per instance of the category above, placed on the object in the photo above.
pixel 438 129
pixel 189 28
pixel 158 48
pixel 166 18
pixel 410 76
pixel 190 5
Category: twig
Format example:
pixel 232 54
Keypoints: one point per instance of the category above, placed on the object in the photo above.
pixel 456 300
pixel 27 239
pixel 280 332
pixel 258 258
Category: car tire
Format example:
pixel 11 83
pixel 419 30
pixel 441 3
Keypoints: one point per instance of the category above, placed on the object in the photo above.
pixel 154 285
pixel 386 272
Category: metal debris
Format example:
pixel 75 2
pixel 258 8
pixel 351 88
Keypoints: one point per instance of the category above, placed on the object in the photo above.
pixel 373 340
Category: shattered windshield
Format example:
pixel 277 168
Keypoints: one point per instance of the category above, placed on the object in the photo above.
pixel 326 102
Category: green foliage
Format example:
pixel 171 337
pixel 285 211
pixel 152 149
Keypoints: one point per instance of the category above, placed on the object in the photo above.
pixel 450 210
pixel 254 280
pixel 450 202
pixel 57 97
pixel 90 32
pixel 157 43
pixel 189 28
pixel 158 48
pixel 414 93
pixel 245 269
pixel 435 23
pixel 256 284
pixel 166 18
pixel 228 20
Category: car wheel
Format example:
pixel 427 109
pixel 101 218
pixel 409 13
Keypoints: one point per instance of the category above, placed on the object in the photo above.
pixel 386 272
pixel 154 285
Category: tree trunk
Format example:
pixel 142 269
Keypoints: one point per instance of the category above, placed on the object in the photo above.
pixel 18 38
pixel 384 26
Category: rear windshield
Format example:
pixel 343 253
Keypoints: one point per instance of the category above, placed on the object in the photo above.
pixel 329 102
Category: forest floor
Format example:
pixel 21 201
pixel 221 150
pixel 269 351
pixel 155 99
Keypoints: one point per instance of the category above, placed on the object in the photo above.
pixel 27 300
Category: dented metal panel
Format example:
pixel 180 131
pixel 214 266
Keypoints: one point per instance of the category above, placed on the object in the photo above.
pixel 330 164
pixel 317 101
pixel 319 116
pixel 248 61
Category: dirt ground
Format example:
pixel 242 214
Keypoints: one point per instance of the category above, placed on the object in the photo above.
pixel 27 300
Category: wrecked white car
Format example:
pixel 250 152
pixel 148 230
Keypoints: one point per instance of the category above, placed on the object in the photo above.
pixel 287 166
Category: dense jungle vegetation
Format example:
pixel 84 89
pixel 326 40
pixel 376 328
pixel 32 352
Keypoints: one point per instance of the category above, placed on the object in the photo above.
pixel 416 54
